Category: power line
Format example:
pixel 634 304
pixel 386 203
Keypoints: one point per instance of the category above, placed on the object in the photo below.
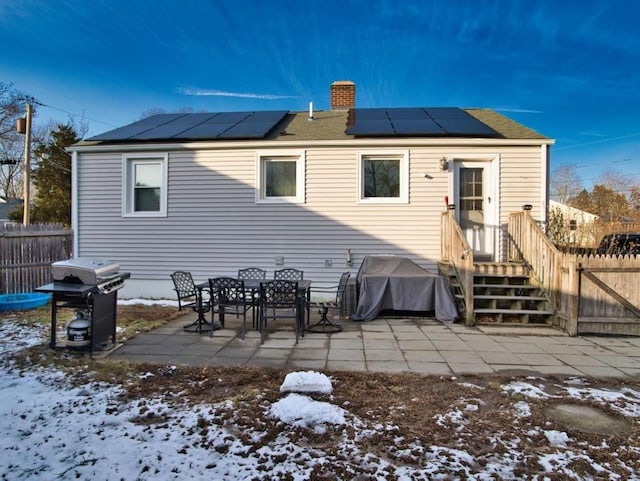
pixel 78 115
pixel 33 101
pixel 600 141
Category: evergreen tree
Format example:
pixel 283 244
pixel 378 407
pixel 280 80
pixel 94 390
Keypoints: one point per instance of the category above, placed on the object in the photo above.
pixel 52 177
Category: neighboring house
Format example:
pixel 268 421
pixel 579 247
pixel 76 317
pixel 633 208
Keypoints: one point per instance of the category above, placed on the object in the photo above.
pixel 578 224
pixel 6 207
pixel 211 193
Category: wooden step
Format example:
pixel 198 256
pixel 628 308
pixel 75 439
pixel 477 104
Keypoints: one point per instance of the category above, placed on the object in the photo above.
pixel 504 286
pixel 510 298
pixel 499 268
pixel 515 312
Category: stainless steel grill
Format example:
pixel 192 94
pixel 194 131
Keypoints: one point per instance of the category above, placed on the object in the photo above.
pixel 105 275
pixel 88 285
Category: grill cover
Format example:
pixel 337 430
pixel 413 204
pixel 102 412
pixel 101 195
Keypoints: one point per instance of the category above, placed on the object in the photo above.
pixel 393 282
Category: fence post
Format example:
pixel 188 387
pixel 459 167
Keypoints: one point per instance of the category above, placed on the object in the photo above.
pixel 573 293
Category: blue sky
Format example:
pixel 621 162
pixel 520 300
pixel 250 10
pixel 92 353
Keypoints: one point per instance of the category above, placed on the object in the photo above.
pixel 568 69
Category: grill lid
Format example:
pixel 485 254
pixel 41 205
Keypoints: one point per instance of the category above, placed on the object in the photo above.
pixel 84 270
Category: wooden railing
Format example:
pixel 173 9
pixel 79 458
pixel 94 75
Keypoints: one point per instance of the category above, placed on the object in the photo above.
pixel 529 244
pixel 455 249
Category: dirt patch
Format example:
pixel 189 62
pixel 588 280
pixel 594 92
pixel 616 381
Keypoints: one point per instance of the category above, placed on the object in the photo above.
pixel 492 419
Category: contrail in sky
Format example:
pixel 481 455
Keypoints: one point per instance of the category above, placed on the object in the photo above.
pixel 222 93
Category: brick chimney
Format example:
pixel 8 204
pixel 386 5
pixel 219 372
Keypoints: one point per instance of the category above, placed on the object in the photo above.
pixel 343 95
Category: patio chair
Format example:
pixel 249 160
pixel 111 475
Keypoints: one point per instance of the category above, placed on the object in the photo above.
pixel 288 274
pixel 252 273
pixel 192 296
pixel 282 299
pixel 252 293
pixel 230 295
pixel 324 325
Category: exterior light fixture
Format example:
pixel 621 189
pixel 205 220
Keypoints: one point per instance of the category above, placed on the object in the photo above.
pixel 527 207
pixel 444 164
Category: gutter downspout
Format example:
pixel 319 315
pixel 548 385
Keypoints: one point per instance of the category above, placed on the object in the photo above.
pixel 74 203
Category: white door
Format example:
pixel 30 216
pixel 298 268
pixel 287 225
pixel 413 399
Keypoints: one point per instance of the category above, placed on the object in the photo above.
pixel 475 207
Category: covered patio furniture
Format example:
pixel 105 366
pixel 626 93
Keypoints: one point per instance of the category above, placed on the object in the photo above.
pixel 397 283
pixel 324 325
pixel 230 295
pixel 281 299
pixel 193 296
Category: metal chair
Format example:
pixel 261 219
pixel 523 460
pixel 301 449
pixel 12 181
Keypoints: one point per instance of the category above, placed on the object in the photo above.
pixel 324 325
pixel 284 300
pixel 194 297
pixel 288 274
pixel 229 293
pixel 252 274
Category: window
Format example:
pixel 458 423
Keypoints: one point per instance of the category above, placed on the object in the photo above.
pixel 280 178
pixel 384 178
pixel 145 185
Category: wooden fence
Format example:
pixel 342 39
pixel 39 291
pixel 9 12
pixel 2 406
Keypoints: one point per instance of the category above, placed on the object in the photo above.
pixel 26 254
pixel 591 294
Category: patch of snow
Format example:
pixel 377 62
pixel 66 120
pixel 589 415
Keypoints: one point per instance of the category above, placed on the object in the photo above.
pixel 526 389
pixel 626 401
pixel 306 382
pixel 299 410
pixel 523 410
pixel 148 302
pixel 557 438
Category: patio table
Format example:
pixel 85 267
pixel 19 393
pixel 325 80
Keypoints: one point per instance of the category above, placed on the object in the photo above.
pixel 201 322
pixel 253 285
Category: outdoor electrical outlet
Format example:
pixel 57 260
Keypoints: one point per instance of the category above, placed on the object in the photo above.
pixel 328 262
pixel 279 260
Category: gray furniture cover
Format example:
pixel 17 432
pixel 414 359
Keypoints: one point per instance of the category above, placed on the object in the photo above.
pixel 393 282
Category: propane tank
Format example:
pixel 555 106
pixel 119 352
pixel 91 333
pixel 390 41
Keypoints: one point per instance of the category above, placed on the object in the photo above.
pixel 79 329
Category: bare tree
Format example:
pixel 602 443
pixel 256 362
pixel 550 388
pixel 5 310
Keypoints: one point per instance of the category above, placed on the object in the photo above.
pixel 565 183
pixel 11 142
pixel 618 182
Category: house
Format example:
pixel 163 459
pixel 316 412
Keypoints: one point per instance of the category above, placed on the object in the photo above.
pixel 317 190
pixel 6 207
pixel 577 224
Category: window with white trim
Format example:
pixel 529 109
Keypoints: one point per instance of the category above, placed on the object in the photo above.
pixel 145 185
pixel 280 178
pixel 383 177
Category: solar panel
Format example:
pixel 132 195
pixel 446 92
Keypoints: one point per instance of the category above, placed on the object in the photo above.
pixel 415 122
pixel 446 112
pixel 371 127
pixel 406 114
pixel 370 114
pixel 247 130
pixel 198 126
pixel 136 128
pixel 174 128
pixel 425 126
pixel 466 127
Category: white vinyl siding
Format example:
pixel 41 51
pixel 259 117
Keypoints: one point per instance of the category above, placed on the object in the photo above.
pixel 214 225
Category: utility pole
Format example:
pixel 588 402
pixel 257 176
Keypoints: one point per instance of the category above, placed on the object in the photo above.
pixel 27 165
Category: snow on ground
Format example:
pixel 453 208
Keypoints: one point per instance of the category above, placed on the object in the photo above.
pixel 50 429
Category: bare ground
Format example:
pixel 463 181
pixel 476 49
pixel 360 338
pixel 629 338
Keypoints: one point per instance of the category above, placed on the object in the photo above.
pixel 474 414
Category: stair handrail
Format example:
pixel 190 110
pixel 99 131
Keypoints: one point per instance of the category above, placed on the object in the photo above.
pixel 529 244
pixel 455 249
